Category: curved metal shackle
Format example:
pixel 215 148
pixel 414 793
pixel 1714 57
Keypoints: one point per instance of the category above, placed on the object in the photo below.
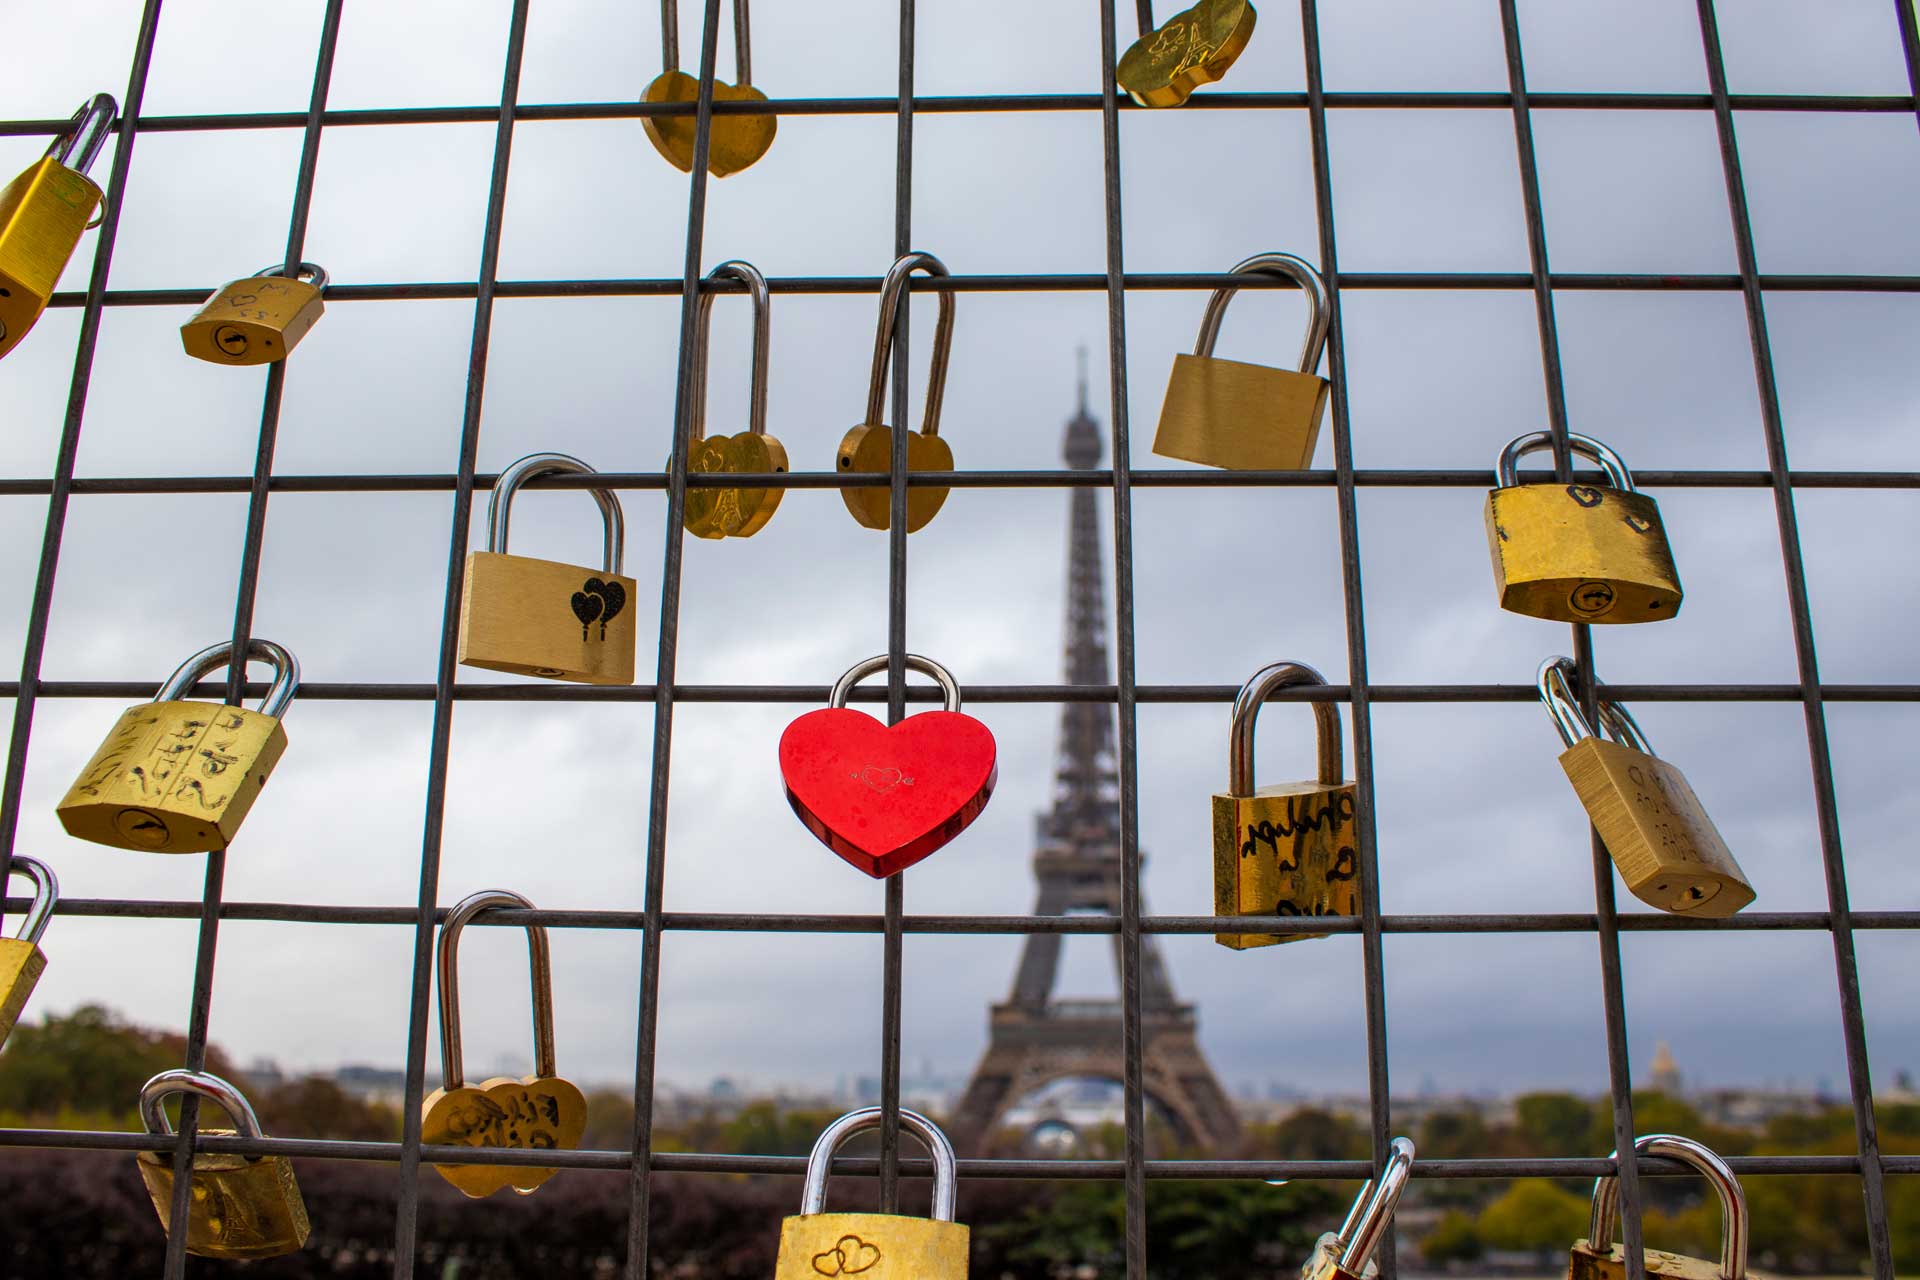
pixel 500 505
pixel 1507 470
pixel 1296 269
pixel 949 687
pixel 46 892
pixel 1555 681
pixel 891 292
pixel 204 1083
pixel 1246 712
pixel 742 40
pixel 1373 1209
pixel 762 300
pixel 447 962
pixel 312 272
pixel 819 1163
pixel 286 673
pixel 78 145
pixel 1605 1218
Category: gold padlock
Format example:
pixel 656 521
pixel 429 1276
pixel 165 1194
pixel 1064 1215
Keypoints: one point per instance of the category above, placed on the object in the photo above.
pixel 733 513
pixel 874 1246
pixel 519 614
pixel 1248 417
pixel 1579 552
pixel 241 1206
pixel 540 1112
pixel 1192 48
pixel 1661 839
pixel 21 960
pixel 1347 1254
pixel 734 141
pixel 1598 1258
pixel 43 214
pixel 1284 850
pixel 179 777
pixel 869 446
pixel 259 319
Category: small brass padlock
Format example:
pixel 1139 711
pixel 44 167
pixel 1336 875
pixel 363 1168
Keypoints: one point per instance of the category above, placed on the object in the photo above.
pixel 733 513
pixel 43 214
pixel 259 319
pixel 874 1246
pixel 179 777
pixel 1661 839
pixel 539 1112
pixel 541 617
pixel 1284 850
pixel 21 960
pixel 869 446
pixel 1248 417
pixel 1347 1254
pixel 242 1206
pixel 1598 1258
pixel 734 141
pixel 1192 48
pixel 1579 552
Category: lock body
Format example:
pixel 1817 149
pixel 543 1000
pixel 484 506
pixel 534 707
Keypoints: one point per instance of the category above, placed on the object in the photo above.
pixel 174 777
pixel 1585 1262
pixel 870 448
pixel 537 1112
pixel 1324 1262
pixel 253 321
pixel 1581 553
pixel 43 213
pixel 872 1246
pixel 543 618
pixel 21 963
pixel 734 513
pixel 1285 850
pixel 241 1207
pixel 1243 417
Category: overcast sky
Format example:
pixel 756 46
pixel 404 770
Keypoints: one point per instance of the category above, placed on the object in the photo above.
pixel 550 799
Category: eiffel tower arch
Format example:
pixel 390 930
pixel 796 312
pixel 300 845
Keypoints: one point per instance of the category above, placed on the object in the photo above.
pixel 1035 1039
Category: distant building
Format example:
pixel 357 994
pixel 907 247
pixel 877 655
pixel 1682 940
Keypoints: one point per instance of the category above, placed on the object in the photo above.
pixel 1665 1076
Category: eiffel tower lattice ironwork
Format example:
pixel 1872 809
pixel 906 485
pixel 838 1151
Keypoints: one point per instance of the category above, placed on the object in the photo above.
pixel 1035 1039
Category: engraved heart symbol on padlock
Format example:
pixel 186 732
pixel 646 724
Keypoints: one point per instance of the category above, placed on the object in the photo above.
pixel 1585 494
pixel 734 513
pixel 849 1256
pixel 598 600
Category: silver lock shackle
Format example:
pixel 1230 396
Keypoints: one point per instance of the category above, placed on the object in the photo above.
pixel 1555 681
pixel 1296 269
pixel 500 505
pixel 85 134
pixel 156 1091
pixel 762 300
pixel 1373 1208
pixel 312 272
pixel 46 892
pixel 446 961
pixel 1507 470
pixel 949 687
pixel 892 290
pixel 813 1198
pixel 742 40
pixel 1605 1219
pixel 286 673
pixel 1246 713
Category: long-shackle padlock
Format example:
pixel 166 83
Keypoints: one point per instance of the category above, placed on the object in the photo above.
pixel 21 960
pixel 1248 417
pixel 241 1206
pixel 1598 1258
pixel 733 513
pixel 540 1112
pixel 1579 552
pixel 874 1246
pixel 1287 849
pixel 1194 47
pixel 869 446
pixel 43 214
pixel 541 617
pixel 735 141
pixel 1347 1254
pixel 257 320
pixel 180 777
pixel 1666 847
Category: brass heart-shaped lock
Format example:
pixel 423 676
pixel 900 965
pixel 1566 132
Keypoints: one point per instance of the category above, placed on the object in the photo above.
pixel 869 446
pixel 734 141
pixel 1192 48
pixel 733 513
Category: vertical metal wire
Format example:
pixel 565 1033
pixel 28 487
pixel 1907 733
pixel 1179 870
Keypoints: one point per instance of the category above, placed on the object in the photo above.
pixel 1904 14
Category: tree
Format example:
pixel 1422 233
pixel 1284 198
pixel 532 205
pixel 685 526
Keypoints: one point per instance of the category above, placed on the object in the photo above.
pixel 1534 1216
pixel 1555 1123
pixel 1454 1238
pixel 316 1107
pixel 90 1061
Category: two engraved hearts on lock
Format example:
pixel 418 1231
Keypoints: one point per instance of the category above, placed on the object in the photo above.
pixel 598 600
pixel 1588 496
pixel 534 1114
pixel 849 1256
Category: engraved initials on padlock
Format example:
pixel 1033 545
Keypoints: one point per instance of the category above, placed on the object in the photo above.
pixel 874 1246
pixel 43 214
pixel 1192 48
pixel 256 320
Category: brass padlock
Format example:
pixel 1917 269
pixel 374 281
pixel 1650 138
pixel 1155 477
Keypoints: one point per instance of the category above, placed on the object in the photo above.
pixel 1579 552
pixel 869 446
pixel 539 1112
pixel 1192 48
pixel 733 141
pixel 21 960
pixel 733 513
pixel 179 777
pixel 1598 1258
pixel 874 1246
pixel 541 617
pixel 1284 850
pixel 1248 417
pixel 241 1206
pixel 1347 1254
pixel 259 319
pixel 43 214
pixel 1666 848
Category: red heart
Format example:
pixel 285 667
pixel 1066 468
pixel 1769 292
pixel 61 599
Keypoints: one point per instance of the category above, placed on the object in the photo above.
pixel 884 798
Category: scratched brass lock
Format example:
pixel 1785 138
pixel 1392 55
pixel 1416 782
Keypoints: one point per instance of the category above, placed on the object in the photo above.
pixel 43 214
pixel 1248 417
pixel 733 513
pixel 259 319
pixel 734 141
pixel 21 960
pixel 1347 1254
pixel 1192 48
pixel 1578 552
pixel 541 617
pixel 1659 835
pixel 1598 1258
pixel 180 777
pixel 241 1206
pixel 874 1246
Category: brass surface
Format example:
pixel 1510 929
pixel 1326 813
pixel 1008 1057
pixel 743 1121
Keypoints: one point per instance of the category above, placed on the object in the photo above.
pixel 1586 1263
pixel 736 141
pixel 241 1208
pixel 1190 49
pixel 1243 417
pixel 873 1246
pixel 733 513
pixel 540 1113
pixel 253 321
pixel 870 448
pixel 43 213
pixel 543 618
pixel 21 963
pixel 1581 553
pixel 1284 850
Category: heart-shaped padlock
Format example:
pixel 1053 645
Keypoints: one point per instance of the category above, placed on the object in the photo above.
pixel 869 446
pixel 733 513
pixel 1192 48
pixel 735 141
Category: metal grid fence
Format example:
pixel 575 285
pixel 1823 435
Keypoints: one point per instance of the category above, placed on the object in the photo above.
pixel 655 924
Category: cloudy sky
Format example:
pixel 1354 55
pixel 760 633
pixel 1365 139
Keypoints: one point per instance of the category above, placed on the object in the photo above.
pixel 550 799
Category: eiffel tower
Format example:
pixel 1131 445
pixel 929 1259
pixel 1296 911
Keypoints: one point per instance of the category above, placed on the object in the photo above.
pixel 1036 1039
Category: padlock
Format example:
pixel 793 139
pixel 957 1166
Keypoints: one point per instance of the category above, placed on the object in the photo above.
pixel 1579 552
pixel 1192 48
pixel 541 617
pixel 1248 417
pixel 540 1112
pixel 1347 1254
pixel 1598 1258
pixel 734 141
pixel 43 214
pixel 21 960
pixel 869 446
pixel 733 513
pixel 241 1206
pixel 874 1246
pixel 1664 845
pixel 1288 849
pixel 259 319
pixel 179 777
